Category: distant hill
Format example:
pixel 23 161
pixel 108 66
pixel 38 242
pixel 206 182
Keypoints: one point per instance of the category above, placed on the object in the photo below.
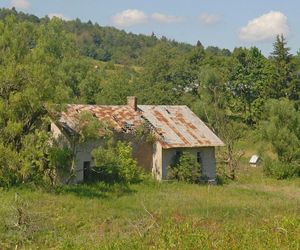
pixel 104 43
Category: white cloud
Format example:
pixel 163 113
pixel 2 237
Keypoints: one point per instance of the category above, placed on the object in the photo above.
pixel 265 27
pixel 22 4
pixel 209 19
pixel 129 17
pixel 59 15
pixel 162 18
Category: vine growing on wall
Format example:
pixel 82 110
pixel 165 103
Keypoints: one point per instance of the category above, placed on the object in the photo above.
pixel 144 133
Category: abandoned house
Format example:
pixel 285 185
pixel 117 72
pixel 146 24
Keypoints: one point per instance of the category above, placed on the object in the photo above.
pixel 175 129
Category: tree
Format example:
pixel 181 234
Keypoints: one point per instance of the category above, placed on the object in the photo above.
pixel 199 44
pixel 281 53
pixel 156 84
pixel 91 86
pixel 230 132
pixel 283 130
pixel 30 75
pixel 248 79
pixel 169 74
pixel 115 88
pixel 285 82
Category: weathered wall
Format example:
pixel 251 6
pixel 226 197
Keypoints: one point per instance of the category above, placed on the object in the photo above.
pixel 82 150
pixel 142 152
pixel 55 131
pixel 157 161
pixel 207 156
pixel 151 157
pixel 59 136
pixel 84 153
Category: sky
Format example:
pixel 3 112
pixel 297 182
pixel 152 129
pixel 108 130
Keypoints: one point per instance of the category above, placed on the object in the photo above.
pixel 223 23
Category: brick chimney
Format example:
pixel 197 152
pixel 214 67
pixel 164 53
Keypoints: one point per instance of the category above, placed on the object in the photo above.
pixel 132 102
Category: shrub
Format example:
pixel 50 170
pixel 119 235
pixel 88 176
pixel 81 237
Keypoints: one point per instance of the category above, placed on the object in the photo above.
pixel 280 170
pixel 59 162
pixel 114 163
pixel 186 168
pixel 9 167
pixel 282 130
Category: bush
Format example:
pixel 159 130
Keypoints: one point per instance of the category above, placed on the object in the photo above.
pixel 282 130
pixel 186 168
pixel 114 163
pixel 59 162
pixel 280 170
pixel 9 167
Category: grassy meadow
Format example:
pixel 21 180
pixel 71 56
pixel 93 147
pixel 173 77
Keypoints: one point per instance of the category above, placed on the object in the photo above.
pixel 251 213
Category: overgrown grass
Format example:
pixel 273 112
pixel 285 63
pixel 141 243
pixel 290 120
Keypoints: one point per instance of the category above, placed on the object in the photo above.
pixel 252 213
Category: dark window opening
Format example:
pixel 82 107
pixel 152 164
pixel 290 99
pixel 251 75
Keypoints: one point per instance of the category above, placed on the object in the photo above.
pixel 199 158
pixel 178 153
pixel 86 171
pixel 49 127
pixel 176 157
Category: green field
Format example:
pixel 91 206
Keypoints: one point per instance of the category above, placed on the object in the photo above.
pixel 251 213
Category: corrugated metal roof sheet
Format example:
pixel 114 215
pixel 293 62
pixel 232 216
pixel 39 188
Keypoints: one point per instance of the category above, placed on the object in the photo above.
pixel 175 126
pixel 179 127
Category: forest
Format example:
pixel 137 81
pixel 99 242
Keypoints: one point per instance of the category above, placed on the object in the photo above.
pixel 239 93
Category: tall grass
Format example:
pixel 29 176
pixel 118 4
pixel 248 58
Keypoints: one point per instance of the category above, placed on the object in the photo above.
pixel 256 214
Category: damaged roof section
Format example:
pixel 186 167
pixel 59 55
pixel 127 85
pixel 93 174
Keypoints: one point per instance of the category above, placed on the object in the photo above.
pixel 174 126
pixel 119 117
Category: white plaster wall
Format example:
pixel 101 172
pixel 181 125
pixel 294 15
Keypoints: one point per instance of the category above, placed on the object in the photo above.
pixel 55 131
pixel 84 153
pixel 157 161
pixel 59 136
pixel 207 156
pixel 208 162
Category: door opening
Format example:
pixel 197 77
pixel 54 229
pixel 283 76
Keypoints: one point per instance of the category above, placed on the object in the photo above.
pixel 86 171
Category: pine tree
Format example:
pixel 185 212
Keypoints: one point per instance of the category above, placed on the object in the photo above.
pixel 284 84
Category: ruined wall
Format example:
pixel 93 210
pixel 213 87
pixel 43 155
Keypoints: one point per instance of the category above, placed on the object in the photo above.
pixel 82 150
pixel 84 154
pixel 142 151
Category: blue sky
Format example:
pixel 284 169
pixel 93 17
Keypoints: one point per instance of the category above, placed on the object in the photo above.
pixel 222 23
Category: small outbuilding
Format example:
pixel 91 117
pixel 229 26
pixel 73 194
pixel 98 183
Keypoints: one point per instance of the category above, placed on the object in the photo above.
pixel 175 129
pixel 254 161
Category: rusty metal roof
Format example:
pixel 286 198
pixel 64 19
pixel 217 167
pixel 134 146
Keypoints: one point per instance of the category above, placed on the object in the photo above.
pixel 174 126
pixel 119 117
pixel 179 127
